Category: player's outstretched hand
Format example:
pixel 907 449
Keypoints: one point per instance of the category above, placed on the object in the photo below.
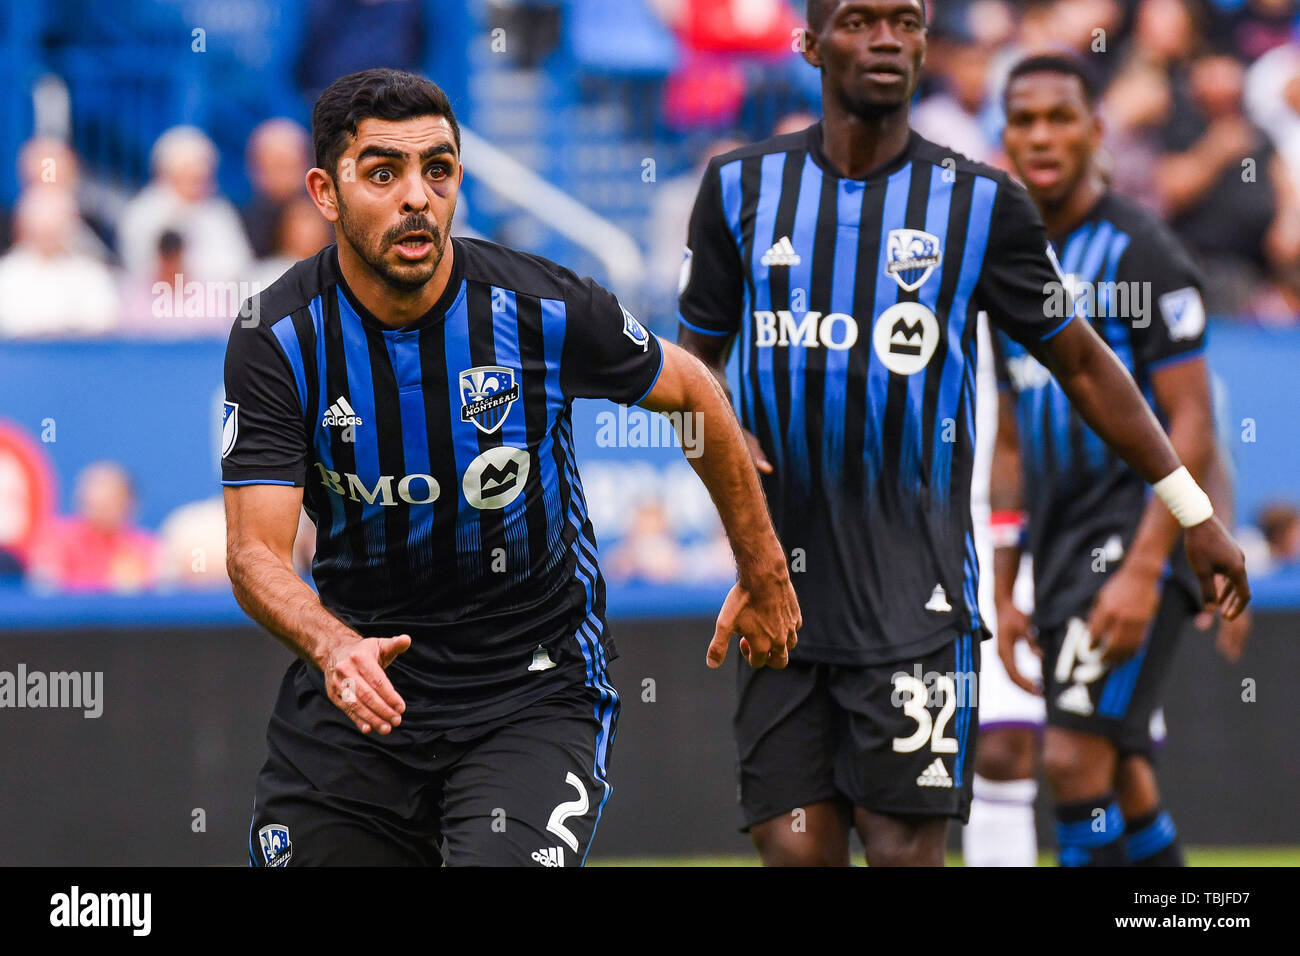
pixel 1220 567
pixel 1014 626
pixel 766 617
pixel 357 685
pixel 1125 607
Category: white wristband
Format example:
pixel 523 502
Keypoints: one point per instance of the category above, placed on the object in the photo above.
pixel 1184 497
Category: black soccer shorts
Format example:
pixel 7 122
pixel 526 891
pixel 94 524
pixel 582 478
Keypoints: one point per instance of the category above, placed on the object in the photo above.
pixel 1113 702
pixel 527 789
pixel 894 738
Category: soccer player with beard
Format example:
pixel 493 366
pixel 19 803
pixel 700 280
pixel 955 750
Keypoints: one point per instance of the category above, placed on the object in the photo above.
pixel 852 260
pixel 413 391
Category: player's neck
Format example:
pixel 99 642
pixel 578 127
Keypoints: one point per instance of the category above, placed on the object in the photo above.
pixel 394 308
pixel 855 145
pixel 1062 217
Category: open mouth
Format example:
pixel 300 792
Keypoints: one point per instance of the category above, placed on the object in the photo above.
pixel 1042 172
pixel 414 245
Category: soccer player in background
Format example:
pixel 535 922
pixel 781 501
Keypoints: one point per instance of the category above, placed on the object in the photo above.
pixel 1113 592
pixel 852 260
pixel 413 391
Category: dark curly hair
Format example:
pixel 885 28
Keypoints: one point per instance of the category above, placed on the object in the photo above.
pixel 379 94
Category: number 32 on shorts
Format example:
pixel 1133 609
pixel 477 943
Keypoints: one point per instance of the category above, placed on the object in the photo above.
pixel 914 694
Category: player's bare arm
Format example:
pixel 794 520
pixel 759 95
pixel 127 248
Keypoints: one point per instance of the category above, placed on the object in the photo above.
pixel 1098 385
pixel 261 522
pixel 1006 498
pixel 1127 602
pixel 761 607
pixel 713 350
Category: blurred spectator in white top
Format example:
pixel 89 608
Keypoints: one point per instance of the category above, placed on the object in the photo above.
pixel 951 117
pixel 279 155
pixel 47 289
pixel 181 198
pixel 649 552
pixel 193 546
pixel 47 161
pixel 300 232
pixel 1272 97
pixel 670 216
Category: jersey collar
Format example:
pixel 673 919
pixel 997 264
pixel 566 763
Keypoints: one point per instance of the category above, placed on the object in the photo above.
pixel 430 318
pixel 814 134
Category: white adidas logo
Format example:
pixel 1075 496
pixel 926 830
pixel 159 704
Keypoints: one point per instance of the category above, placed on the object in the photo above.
pixel 1075 699
pixel 550 856
pixel 340 413
pixel 781 254
pixel 935 775
pixel 938 600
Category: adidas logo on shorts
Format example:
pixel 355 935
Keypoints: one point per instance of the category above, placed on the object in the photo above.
pixel 935 775
pixel 550 856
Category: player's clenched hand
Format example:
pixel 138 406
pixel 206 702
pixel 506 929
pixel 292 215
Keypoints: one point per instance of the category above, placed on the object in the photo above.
pixel 357 685
pixel 1123 611
pixel 1014 626
pixel 1220 567
pixel 766 616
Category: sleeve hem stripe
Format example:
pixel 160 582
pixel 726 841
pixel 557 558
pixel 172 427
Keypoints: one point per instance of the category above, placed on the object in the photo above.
pixel 261 481
pixel 1196 353
pixel 659 371
pixel 695 328
pixel 1058 328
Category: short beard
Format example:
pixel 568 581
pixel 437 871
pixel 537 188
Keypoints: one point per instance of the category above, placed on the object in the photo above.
pixel 374 254
pixel 870 112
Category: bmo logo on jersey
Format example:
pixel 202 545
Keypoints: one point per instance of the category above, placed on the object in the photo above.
pixel 411 489
pixel 833 331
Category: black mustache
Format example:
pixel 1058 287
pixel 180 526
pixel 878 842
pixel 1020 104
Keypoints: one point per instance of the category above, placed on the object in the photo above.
pixel 416 226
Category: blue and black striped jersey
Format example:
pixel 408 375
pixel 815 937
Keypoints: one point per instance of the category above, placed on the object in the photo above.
pixel 437 463
pixel 1137 286
pixel 854 302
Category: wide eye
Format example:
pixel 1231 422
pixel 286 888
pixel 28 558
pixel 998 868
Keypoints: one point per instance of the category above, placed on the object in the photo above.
pixel 439 171
pixel 382 171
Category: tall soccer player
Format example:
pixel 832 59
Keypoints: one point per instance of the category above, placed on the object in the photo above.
pixel 851 260
pixel 413 391
pixel 1112 591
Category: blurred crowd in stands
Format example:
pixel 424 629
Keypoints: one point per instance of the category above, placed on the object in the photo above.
pixel 178 261
pixel 1201 104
